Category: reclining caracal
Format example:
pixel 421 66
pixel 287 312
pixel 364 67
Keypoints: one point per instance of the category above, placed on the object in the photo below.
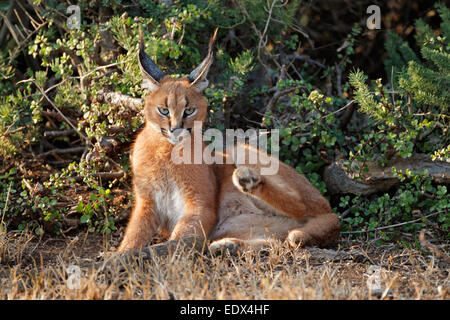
pixel 233 205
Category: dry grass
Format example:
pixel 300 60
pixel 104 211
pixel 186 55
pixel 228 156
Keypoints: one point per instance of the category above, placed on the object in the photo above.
pixel 41 269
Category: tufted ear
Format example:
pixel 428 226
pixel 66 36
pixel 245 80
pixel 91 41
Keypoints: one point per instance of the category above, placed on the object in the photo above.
pixel 151 74
pixel 198 76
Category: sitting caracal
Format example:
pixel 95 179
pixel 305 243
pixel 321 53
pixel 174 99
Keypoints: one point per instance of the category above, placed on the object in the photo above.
pixel 233 205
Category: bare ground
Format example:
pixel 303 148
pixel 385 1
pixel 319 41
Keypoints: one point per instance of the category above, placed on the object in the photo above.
pixel 52 268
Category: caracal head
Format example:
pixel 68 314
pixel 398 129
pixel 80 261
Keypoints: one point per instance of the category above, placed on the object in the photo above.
pixel 173 105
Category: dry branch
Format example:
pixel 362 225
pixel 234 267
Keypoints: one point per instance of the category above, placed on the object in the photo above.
pixel 103 175
pixel 106 145
pixel 393 225
pixel 59 133
pixel 434 249
pixel 56 116
pixel 60 112
pixel 63 151
pixel 377 179
pixel 194 244
pixel 306 58
pixel 119 99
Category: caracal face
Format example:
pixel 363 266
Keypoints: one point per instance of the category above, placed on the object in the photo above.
pixel 173 108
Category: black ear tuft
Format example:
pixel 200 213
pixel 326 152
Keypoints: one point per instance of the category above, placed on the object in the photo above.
pixel 150 71
pixel 198 76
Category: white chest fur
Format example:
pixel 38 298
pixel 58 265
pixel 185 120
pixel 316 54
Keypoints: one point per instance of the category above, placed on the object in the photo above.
pixel 169 204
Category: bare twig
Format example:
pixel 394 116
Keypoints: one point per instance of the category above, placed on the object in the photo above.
pixel 62 151
pixel 5 26
pixel 55 115
pixel 393 225
pixel 9 132
pixel 323 117
pixel 434 249
pixel 103 175
pixel 10 27
pixel 17 49
pixel 346 212
pixel 262 36
pixel 345 119
pixel 278 94
pixel 58 133
pixel 5 208
pixel 62 114
pixel 306 58
pixel 339 80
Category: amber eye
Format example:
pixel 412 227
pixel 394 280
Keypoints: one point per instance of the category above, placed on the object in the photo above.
pixel 163 111
pixel 189 111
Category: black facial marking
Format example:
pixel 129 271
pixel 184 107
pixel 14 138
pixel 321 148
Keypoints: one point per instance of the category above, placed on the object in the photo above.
pixel 164 132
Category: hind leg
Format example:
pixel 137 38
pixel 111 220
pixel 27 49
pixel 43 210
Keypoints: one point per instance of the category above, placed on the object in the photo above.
pixel 290 193
pixel 244 225
pixel 317 231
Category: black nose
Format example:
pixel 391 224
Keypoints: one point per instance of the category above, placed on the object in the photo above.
pixel 172 130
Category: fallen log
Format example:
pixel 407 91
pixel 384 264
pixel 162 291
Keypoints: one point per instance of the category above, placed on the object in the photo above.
pixel 378 179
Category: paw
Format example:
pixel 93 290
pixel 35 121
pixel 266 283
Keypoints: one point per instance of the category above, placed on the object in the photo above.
pixel 246 179
pixel 298 238
pixel 222 246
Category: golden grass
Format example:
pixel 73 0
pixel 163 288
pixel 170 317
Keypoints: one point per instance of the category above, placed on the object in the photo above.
pixel 43 269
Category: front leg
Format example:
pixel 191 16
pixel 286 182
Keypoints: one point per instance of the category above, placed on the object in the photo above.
pixel 141 227
pixel 196 220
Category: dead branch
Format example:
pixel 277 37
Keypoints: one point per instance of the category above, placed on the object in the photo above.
pixel 261 35
pixel 56 116
pixel 434 249
pixel 96 56
pixel 339 80
pixel 346 116
pixel 62 151
pixel 76 61
pixel 61 114
pixel 5 25
pixel 106 145
pixel 377 179
pixel 392 225
pixel 197 245
pixel 9 132
pixel 278 94
pixel 306 58
pixel 59 133
pixel 119 99
pixel 109 175
pixel 103 175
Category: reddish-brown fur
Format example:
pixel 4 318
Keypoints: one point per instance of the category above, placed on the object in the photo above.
pixel 233 205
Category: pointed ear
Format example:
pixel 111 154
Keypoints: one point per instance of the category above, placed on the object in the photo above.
pixel 198 76
pixel 151 75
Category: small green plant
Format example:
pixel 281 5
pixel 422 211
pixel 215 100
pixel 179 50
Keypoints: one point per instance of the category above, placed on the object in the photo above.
pixel 415 204
pixel 427 81
pixel 405 117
